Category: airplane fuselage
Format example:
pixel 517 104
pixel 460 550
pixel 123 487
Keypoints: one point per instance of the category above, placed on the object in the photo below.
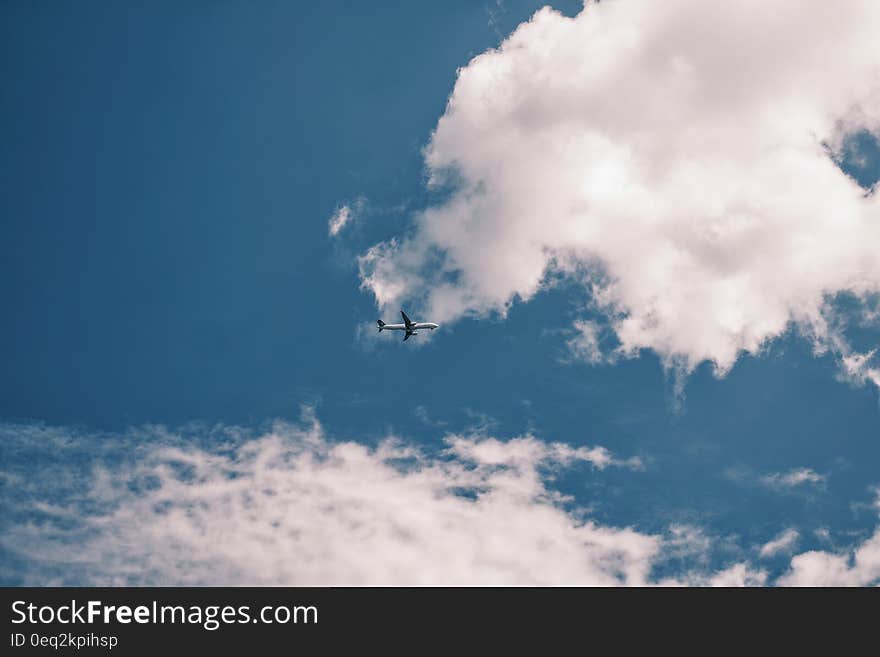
pixel 413 327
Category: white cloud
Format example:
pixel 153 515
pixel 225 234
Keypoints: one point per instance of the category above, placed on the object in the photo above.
pixel 739 574
pixel 784 542
pixel 671 156
pixel 804 480
pixel 584 345
pixel 854 567
pixel 343 216
pixel 685 540
pixel 292 507
pixel 691 544
pixel 528 451
pixel 338 220
pixel 793 478
pixel 857 368
pixel 817 568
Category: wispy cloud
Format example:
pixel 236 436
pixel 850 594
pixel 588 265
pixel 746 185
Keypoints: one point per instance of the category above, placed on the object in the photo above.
pixel 784 542
pixel 858 368
pixel 339 219
pixel 797 479
pixel 343 216
pixel 584 345
pixel 289 505
pixel 793 478
pixel 494 11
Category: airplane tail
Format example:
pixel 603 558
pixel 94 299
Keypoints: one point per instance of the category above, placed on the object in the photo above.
pixel 381 324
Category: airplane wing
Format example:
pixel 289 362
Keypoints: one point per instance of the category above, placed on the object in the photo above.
pixel 406 337
pixel 406 320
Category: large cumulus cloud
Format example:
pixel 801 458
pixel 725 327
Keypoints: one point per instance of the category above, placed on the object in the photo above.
pixel 680 159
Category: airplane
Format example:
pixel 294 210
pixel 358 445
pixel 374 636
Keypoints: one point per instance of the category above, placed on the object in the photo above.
pixel 408 325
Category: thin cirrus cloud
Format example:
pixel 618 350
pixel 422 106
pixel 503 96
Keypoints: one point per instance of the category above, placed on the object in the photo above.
pixel 782 543
pixel 344 215
pixel 291 506
pixel 793 478
pixel 678 159
pixel 338 220
pixel 801 479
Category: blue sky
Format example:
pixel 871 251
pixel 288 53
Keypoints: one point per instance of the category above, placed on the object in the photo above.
pixel 168 173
